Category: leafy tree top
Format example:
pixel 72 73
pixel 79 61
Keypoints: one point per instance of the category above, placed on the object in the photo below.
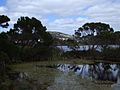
pixel 4 21
pixel 30 31
pixel 89 29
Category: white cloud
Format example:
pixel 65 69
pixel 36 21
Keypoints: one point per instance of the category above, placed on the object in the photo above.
pixel 67 25
pixel 107 12
pixel 2 10
pixel 70 14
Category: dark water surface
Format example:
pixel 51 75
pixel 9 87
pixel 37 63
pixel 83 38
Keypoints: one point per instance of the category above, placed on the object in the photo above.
pixel 98 71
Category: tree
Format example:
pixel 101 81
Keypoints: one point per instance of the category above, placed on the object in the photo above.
pixel 97 36
pixel 90 29
pixel 6 47
pixel 86 34
pixel 4 21
pixel 117 38
pixel 30 32
pixel 30 40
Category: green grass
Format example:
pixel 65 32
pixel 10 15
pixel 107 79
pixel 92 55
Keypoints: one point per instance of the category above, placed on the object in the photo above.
pixel 40 78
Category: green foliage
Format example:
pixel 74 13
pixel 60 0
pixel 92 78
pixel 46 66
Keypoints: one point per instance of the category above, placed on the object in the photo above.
pixel 4 21
pixel 35 54
pixel 10 49
pixel 30 32
pixel 99 27
pixel 105 36
pixel 56 53
pixel 112 54
pixel 90 29
pixel 88 55
pixel 27 41
pixel 3 58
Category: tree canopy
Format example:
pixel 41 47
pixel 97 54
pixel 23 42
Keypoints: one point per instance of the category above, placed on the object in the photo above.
pixel 90 29
pixel 4 21
pixel 30 32
pixel 27 40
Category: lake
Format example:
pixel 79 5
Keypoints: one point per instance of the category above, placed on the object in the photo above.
pixel 84 47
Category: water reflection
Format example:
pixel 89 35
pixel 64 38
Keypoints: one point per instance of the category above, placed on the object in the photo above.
pixel 85 47
pixel 98 71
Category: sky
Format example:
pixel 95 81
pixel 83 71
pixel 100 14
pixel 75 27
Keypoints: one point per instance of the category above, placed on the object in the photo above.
pixel 64 15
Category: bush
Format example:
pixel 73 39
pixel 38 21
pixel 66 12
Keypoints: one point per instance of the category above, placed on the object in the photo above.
pixel 4 58
pixel 111 54
pixel 89 54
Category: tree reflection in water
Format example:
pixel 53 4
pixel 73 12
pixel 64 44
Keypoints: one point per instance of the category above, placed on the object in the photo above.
pixel 98 71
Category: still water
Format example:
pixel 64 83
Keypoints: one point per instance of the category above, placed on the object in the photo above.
pixel 98 71
pixel 85 47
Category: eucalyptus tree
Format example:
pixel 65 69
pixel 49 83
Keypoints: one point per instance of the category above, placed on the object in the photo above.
pixel 30 32
pixel 89 31
pixel 31 37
